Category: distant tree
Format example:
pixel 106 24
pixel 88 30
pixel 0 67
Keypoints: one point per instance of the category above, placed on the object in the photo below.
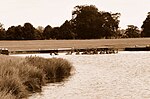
pixel 29 31
pixel 39 33
pixel 110 24
pixel 85 19
pixel 146 27
pixel 1 26
pixel 14 33
pixel 90 23
pixel 66 31
pixel 55 33
pixel 121 33
pixel 132 32
pixel 47 32
pixel 10 33
pixel 2 32
pixel 40 29
pixel 19 32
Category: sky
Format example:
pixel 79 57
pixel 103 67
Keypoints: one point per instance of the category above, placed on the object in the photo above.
pixel 56 12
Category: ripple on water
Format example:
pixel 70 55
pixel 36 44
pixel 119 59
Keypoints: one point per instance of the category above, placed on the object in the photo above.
pixel 124 75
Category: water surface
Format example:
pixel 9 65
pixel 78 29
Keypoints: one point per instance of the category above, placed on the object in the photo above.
pixel 125 75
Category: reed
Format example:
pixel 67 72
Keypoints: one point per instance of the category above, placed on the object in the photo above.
pixel 10 81
pixel 5 95
pixel 55 69
pixel 21 76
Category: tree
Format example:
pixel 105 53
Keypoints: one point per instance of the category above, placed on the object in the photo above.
pixel 90 23
pixel 55 33
pixel 19 32
pixel 121 33
pixel 47 32
pixel 10 33
pixel 14 33
pixel 40 29
pixel 84 21
pixel 39 33
pixel 2 32
pixel 110 24
pixel 29 31
pixel 66 31
pixel 132 32
pixel 146 27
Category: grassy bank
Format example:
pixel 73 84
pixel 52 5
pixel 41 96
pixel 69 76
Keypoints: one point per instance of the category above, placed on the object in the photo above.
pixel 52 44
pixel 20 77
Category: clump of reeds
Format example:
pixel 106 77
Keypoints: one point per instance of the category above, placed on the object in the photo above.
pixel 21 76
pixel 10 82
pixel 55 69
pixel 5 95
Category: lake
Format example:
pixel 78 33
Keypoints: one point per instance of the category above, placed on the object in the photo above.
pixel 125 75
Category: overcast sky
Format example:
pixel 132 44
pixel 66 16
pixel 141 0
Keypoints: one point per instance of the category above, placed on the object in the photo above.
pixel 55 12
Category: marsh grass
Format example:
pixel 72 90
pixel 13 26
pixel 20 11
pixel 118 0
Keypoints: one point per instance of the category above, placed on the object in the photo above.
pixel 20 77
pixel 55 69
pixel 5 95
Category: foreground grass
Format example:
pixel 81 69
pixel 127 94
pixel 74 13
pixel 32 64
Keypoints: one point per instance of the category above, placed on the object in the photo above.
pixel 20 77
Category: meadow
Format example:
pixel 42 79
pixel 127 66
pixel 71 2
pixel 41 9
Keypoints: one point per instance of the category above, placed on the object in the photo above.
pixel 54 44
pixel 20 77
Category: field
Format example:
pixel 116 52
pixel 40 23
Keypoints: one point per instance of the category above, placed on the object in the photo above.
pixel 54 44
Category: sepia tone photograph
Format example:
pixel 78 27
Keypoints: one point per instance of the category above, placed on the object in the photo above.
pixel 75 49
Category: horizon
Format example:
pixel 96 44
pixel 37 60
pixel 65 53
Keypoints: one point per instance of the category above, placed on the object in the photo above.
pixel 55 13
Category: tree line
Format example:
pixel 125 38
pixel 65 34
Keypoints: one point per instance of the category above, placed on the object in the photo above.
pixel 87 23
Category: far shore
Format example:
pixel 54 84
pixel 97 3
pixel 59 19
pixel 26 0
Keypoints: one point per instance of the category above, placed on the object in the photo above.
pixel 15 45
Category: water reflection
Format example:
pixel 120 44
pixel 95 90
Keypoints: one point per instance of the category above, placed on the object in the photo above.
pixel 125 75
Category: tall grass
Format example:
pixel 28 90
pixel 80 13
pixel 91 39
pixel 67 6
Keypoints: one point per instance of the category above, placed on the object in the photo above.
pixel 21 76
pixel 56 69
pixel 5 95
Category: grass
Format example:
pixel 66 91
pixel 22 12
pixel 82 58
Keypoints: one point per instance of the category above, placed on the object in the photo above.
pixel 52 44
pixel 5 95
pixel 56 69
pixel 20 77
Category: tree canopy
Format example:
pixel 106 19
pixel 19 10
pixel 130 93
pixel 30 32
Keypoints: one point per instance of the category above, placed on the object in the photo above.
pixel 90 23
pixel 47 32
pixel 146 27
pixel 2 32
pixel 66 31
pixel 132 32
pixel 26 32
pixel 87 22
